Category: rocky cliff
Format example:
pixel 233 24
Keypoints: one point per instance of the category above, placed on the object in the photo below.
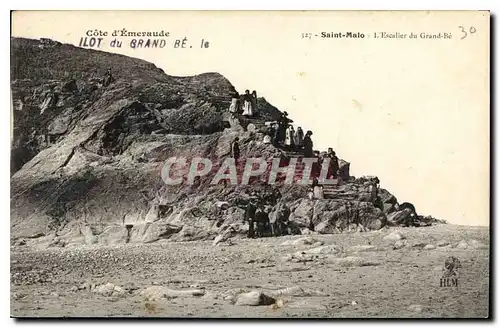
pixel 87 167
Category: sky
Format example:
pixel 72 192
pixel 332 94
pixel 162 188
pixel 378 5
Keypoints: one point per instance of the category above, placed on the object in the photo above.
pixel 412 111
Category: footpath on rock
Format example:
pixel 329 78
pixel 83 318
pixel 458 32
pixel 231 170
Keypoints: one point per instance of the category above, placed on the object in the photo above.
pixel 88 152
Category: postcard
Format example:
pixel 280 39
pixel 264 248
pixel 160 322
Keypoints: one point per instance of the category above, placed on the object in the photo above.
pixel 250 164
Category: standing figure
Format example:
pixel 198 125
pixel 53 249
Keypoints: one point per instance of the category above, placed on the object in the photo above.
pixel 273 131
pixel 235 149
pixel 262 222
pixel 254 103
pixel 334 164
pixel 299 138
pixel 247 104
pixel 250 217
pixel 270 132
pixel 279 131
pixel 233 108
pixel 280 226
pixel 290 137
pixel 308 144
pixel 317 189
pixel 108 78
pixel 316 166
pixel 283 123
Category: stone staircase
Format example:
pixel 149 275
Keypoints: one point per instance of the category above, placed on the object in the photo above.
pixel 330 190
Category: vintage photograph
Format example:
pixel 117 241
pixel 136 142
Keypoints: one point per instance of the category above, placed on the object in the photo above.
pixel 250 164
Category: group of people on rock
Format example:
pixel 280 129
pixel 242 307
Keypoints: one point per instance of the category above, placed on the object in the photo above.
pixel 294 141
pixel 263 222
pixel 245 104
pixel 333 165
pixel 282 133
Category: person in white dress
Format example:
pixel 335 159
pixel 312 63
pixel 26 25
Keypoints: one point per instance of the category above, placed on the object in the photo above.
pixel 290 137
pixel 233 108
pixel 247 104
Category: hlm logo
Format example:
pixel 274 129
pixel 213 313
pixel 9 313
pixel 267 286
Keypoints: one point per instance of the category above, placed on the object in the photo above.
pixel 450 275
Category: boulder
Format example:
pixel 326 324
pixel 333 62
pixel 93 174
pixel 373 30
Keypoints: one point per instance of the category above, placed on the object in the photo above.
pixel 398 244
pixel 418 245
pixel 367 180
pixel 415 308
pixel 251 127
pixel 344 170
pixel 109 289
pixel 386 197
pixel 334 216
pixel 394 236
pixel 113 235
pixel 253 298
pixel 307 231
pixel 225 235
pixel 398 217
pixel 151 232
pixel 388 208
pixel 303 213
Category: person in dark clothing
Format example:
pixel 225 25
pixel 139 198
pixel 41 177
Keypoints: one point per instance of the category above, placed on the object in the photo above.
pixel 299 138
pixel 282 125
pixel 284 122
pixel 254 103
pixel 334 164
pixel 278 132
pixel 316 166
pixel 280 227
pixel 235 149
pixel 271 132
pixel 108 78
pixel 308 144
pixel 250 217
pixel 250 211
pixel 284 118
pixel 262 222
pixel 251 230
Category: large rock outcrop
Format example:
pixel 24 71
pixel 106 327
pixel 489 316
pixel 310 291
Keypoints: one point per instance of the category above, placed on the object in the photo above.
pixel 87 168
